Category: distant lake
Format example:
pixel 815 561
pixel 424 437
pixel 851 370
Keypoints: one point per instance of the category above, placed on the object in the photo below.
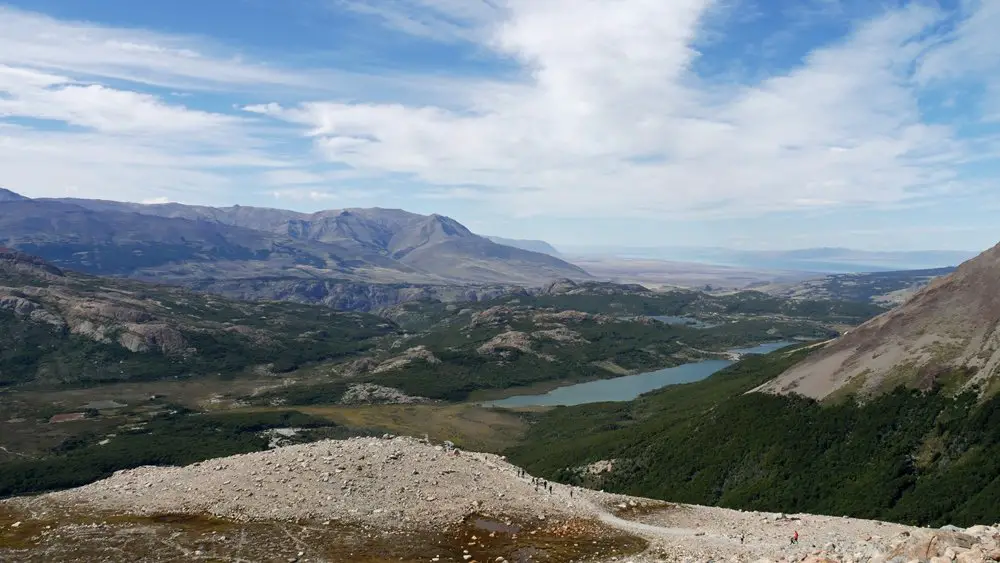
pixel 628 387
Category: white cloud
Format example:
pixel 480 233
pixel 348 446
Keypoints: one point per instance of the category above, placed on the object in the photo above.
pixel 610 119
pixel 90 139
pixel 303 195
pixel 87 50
pixel 437 20
pixel 105 109
pixel 28 39
pixel 65 130
pixel 606 115
pixel 322 194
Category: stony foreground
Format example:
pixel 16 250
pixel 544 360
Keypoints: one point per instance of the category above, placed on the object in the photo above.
pixel 395 499
pixel 399 483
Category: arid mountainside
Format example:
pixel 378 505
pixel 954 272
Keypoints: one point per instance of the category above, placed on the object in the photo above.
pixel 947 333
pixel 532 245
pixel 180 243
pixel 404 499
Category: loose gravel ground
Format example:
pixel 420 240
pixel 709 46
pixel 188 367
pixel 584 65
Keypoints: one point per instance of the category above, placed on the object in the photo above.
pixel 396 485
pixel 390 483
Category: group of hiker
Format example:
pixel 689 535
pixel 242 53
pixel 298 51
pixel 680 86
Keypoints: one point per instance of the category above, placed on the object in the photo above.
pixel 545 485
pixel 540 483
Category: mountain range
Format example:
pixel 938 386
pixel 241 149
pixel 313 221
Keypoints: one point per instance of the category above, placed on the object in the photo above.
pixel 181 243
pixel 824 260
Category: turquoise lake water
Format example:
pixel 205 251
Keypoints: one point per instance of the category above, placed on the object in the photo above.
pixel 628 387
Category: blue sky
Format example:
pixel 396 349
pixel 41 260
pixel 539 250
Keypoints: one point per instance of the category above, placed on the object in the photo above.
pixel 742 123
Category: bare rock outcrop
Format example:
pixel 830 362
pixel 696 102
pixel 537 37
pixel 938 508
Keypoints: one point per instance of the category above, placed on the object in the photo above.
pixel 509 340
pixel 560 334
pixel 153 336
pixel 406 358
pixel 372 394
pixel 498 315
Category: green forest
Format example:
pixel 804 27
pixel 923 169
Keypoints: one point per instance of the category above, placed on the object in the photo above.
pixel 686 302
pixel 180 438
pixel 909 456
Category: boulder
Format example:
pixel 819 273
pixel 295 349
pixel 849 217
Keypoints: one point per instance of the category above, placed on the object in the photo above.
pixel 922 545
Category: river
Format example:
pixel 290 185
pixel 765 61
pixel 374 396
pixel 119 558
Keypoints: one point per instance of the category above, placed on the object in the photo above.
pixel 628 387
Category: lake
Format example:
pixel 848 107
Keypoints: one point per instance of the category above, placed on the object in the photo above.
pixel 628 387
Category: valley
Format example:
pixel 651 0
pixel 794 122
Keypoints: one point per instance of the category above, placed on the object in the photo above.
pixel 96 371
pixel 103 371
pixel 499 281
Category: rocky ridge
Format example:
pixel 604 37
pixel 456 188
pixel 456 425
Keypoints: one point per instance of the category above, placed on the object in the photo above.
pixel 193 244
pixel 404 485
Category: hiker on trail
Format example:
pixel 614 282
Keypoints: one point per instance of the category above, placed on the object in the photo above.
pixel 550 489
pixel 795 537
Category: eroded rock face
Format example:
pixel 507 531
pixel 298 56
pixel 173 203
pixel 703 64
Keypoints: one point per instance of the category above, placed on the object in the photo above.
pixel 510 340
pixel 109 311
pixel 494 316
pixel 17 305
pixel 146 337
pixel 372 394
pixel 406 358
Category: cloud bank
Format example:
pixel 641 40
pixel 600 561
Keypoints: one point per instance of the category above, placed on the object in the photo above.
pixel 596 108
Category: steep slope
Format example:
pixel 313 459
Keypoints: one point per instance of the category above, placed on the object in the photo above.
pixel 947 333
pixel 905 456
pixel 528 244
pixel 7 195
pixel 194 242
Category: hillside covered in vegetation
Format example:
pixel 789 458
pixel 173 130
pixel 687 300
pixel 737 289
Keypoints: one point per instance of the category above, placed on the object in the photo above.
pixel 913 456
pixel 64 328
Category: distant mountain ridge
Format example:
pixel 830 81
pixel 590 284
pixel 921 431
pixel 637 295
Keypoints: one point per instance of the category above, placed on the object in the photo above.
pixel 946 334
pixel 181 242
pixel 532 245
pixel 825 260
pixel 7 195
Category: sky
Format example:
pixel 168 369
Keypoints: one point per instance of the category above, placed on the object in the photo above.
pixel 757 124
